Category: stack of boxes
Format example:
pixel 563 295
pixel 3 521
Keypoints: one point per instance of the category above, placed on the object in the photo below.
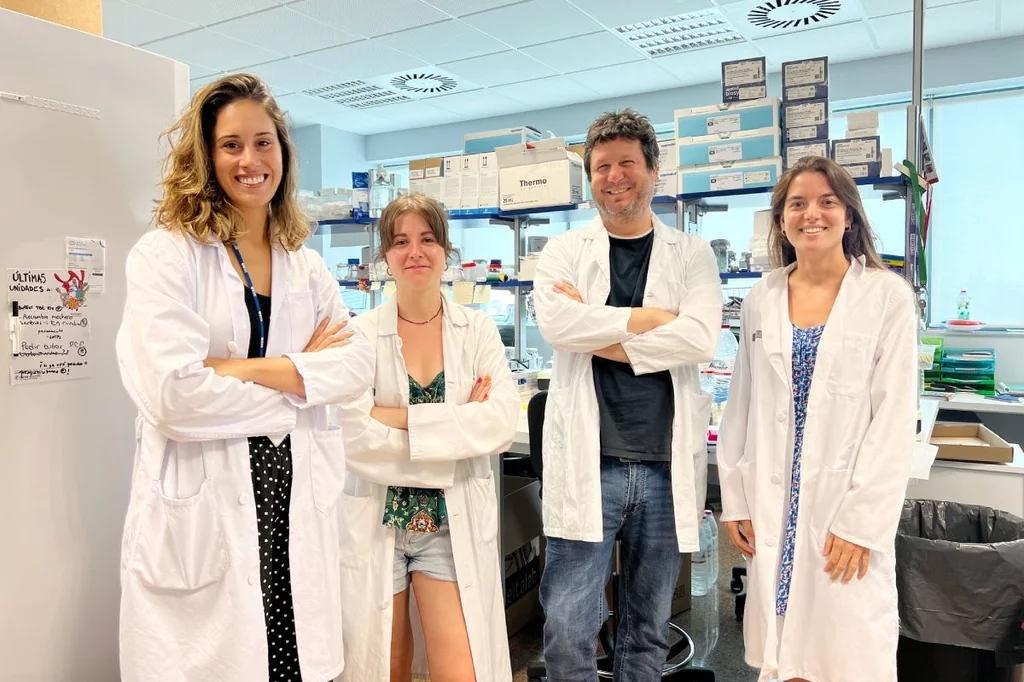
pixel 805 113
pixel 860 152
pixel 972 370
pixel 463 183
pixel 731 146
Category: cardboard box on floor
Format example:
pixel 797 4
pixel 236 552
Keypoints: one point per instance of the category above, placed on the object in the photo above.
pixel 970 443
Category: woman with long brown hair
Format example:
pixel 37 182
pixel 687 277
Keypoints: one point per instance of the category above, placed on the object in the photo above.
pixel 232 345
pixel 815 447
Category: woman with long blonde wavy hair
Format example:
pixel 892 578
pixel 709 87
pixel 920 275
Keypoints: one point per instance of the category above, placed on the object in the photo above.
pixel 232 345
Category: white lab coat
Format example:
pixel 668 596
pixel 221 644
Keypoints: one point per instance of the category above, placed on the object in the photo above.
pixel 855 464
pixel 449 446
pixel 191 602
pixel 683 278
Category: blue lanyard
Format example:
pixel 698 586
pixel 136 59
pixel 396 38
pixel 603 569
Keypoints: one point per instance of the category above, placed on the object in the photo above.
pixel 255 296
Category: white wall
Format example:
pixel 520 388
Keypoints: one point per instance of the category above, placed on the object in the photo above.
pixel 342 153
pixel 884 77
pixel 306 141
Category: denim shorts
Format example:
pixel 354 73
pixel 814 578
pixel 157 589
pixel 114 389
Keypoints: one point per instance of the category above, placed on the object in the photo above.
pixel 428 553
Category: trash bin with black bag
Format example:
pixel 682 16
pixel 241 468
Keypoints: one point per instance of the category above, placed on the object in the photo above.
pixel 960 579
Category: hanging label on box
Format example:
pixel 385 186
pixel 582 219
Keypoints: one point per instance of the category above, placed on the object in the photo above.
pixel 858 170
pixel 744 72
pixel 724 124
pixel 802 73
pixel 725 152
pixel 753 92
pixel 856 151
pixel 801 92
pixel 806 114
pixel 726 181
pixel 757 177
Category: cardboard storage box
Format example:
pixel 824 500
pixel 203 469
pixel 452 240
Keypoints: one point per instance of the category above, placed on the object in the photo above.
pixel 861 157
pixel 725 177
pixel 727 118
pixel 805 79
pixel 546 175
pixel 811 133
pixel 744 79
pixel 490 140
pixel 970 443
pixel 794 151
pixel 741 146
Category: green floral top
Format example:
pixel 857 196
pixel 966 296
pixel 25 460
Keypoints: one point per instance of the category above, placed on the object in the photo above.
pixel 418 509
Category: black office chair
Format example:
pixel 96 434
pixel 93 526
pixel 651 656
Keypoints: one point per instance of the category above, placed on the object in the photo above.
pixel 682 647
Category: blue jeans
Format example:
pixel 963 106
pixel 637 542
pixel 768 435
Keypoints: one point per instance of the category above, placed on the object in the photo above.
pixel 636 501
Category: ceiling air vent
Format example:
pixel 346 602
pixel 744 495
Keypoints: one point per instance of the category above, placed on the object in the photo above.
pixel 776 14
pixel 358 95
pixel 422 83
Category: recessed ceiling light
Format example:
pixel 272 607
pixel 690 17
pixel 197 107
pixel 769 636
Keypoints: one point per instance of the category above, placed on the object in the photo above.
pixel 679 33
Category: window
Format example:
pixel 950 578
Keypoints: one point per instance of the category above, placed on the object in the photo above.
pixel 976 237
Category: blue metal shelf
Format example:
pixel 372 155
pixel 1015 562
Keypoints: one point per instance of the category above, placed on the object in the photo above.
pixel 539 209
pixel 346 221
pixel 893 181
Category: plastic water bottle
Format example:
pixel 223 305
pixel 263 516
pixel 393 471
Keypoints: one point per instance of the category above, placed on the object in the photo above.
pixel 716 375
pixel 704 564
pixel 963 306
pixel 705 591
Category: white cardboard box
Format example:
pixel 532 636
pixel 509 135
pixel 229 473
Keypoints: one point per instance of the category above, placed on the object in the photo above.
pixel 858 120
pixel 452 166
pixel 469 192
pixel 451 191
pixel 547 175
pixel 469 164
pixel 861 132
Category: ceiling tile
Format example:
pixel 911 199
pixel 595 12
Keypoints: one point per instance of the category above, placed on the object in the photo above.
pixel 944 25
pixel 414 114
pixel 597 49
pixel 626 79
pixel 705 66
pixel 305 110
pixel 544 93
pixel 883 8
pixel 533 22
pixel 475 104
pixel 217 52
pixel 200 71
pixel 205 12
pixel 134 25
pixel 459 8
pixel 841 42
pixel 499 69
pixel 613 13
pixel 444 42
pixel 294 75
pixel 371 18
pixel 365 59
pixel 289 32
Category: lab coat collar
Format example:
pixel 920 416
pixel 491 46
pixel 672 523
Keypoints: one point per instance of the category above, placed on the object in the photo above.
pixel 596 235
pixel 454 315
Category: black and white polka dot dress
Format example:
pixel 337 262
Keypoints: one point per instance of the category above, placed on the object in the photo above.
pixel 272 487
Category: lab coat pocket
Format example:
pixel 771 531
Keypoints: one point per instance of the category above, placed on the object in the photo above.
pixel 830 488
pixel 483 508
pixel 180 542
pixel 301 319
pixel 327 467
pixel 361 519
pixel 851 368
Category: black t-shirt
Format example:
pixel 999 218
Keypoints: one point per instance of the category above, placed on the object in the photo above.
pixel 636 412
pixel 254 322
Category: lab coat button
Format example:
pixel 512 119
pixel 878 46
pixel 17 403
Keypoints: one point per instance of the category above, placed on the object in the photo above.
pixel 232 347
pixel 243 499
pixel 780 417
pixel 776 480
pixel 770 542
pixel 252 579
